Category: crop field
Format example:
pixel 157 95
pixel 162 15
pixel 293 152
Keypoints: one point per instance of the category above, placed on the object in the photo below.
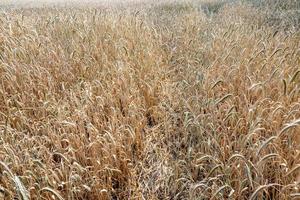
pixel 152 99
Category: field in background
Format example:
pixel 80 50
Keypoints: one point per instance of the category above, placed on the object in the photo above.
pixel 150 100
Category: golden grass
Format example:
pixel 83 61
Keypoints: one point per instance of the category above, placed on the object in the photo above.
pixel 152 101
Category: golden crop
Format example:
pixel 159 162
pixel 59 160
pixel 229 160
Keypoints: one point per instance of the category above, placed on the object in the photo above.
pixel 150 101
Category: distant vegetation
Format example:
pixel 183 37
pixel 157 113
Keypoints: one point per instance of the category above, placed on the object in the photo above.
pixel 154 100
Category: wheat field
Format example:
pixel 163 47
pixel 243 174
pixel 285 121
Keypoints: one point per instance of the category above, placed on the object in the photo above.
pixel 150 100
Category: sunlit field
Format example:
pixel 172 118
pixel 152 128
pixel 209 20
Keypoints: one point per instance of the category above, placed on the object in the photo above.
pixel 150 100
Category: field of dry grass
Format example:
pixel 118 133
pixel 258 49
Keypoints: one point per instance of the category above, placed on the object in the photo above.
pixel 195 100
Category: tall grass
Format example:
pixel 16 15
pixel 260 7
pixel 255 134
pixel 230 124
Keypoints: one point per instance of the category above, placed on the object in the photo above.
pixel 148 101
